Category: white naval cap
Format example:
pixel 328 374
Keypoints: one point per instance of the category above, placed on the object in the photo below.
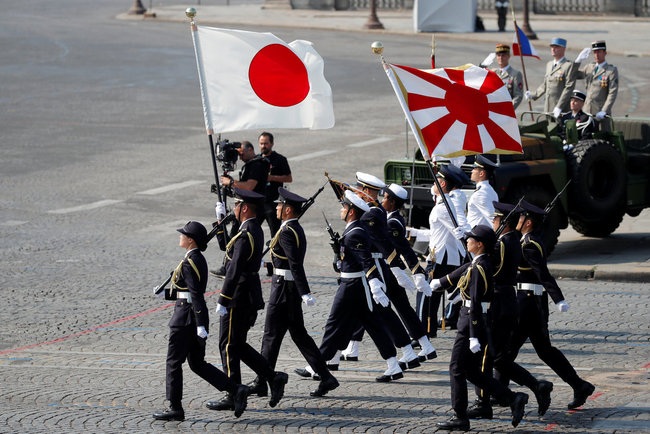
pixel 397 190
pixel 352 199
pixel 370 181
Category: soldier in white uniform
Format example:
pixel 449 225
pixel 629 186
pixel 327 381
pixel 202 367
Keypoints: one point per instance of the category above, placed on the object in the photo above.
pixel 510 76
pixel 601 82
pixel 479 208
pixel 559 81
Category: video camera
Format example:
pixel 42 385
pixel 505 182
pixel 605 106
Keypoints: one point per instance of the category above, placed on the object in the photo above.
pixel 227 154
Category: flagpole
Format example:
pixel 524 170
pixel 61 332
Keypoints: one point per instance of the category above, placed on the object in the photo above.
pixel 521 57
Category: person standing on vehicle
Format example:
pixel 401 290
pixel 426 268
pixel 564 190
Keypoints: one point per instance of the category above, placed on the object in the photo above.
pixel 189 327
pixel 601 82
pixel 241 298
pixel 479 207
pixel 584 123
pixel 510 76
pixel 534 286
pixel 279 174
pixel 558 83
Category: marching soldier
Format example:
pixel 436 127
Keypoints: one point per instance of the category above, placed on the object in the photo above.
pixel 601 82
pixel 534 285
pixel 558 82
pixel 189 327
pixel 359 294
pixel 241 298
pixel 584 123
pixel 476 292
pixel 479 208
pixel 289 289
pixel 510 76
pixel 445 250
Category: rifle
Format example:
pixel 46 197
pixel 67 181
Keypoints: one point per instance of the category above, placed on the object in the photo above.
pixel 215 228
pixel 552 203
pixel 504 221
pixel 335 243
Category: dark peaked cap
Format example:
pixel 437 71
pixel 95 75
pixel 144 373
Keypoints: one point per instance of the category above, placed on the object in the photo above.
pixel 291 199
pixel 247 196
pixel 484 234
pixel 197 232
pixel 529 208
pixel 484 163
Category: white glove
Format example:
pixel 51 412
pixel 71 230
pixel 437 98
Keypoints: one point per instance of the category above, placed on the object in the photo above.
pixel 488 60
pixel 200 332
pixel 528 95
pixel 458 232
pixel 600 115
pixel 403 279
pixel 435 284
pixel 220 210
pixel 308 300
pixel 421 284
pixel 557 111
pixel 378 294
pixel 474 345
pixel 562 306
pixel 583 55
pixel 221 310
pixel 456 299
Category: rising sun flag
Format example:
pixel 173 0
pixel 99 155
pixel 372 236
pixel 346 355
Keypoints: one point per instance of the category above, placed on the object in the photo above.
pixel 457 111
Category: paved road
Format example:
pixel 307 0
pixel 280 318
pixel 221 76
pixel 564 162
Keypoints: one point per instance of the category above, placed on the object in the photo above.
pixel 103 140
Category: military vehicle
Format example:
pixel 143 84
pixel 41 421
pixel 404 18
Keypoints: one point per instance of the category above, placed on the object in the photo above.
pixel 609 173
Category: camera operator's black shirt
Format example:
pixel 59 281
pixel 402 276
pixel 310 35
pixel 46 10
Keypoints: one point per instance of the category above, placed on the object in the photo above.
pixel 257 169
pixel 278 166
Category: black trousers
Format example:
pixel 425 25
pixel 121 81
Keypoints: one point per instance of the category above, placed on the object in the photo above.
pixel 427 307
pixel 503 311
pixel 533 325
pixel 501 18
pixel 185 344
pixel 348 310
pixel 287 316
pixel 465 365
pixel 234 348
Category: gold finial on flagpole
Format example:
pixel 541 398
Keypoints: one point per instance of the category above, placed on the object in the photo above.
pixel 377 47
pixel 191 13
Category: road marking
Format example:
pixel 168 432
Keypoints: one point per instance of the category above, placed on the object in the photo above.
pixel 170 187
pixel 13 223
pixel 164 227
pixel 312 155
pixel 89 206
pixel 370 142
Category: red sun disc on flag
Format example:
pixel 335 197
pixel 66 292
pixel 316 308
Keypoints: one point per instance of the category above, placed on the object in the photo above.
pixel 278 77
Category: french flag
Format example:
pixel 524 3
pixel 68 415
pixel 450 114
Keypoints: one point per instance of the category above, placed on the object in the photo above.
pixel 527 48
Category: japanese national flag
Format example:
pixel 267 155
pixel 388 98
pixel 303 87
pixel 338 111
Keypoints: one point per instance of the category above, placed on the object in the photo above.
pixel 255 80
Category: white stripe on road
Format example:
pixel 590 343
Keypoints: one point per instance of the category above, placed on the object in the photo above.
pixel 86 207
pixel 170 187
pixel 13 223
pixel 370 142
pixel 312 155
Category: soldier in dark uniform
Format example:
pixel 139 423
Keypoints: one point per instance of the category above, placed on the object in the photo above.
pixel 534 285
pixel 503 311
pixel 288 290
pixel 476 292
pixel 584 123
pixel 189 327
pixel 360 293
pixel 241 298
pixel 502 12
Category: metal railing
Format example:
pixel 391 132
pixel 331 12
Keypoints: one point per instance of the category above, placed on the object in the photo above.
pixel 381 4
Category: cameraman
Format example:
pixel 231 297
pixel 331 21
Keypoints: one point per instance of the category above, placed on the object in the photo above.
pixel 253 173
pixel 279 173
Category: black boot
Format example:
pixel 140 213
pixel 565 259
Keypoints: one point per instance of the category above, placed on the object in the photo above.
pixel 481 409
pixel 258 387
pixel 225 403
pixel 580 394
pixel 325 386
pixel 277 387
pixel 454 424
pixel 173 412
pixel 306 374
pixel 543 396
pixel 517 406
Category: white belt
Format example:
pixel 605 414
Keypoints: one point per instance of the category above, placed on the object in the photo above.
pixel 184 294
pixel 284 273
pixel 535 287
pixel 484 305
pixel 376 255
pixel 352 275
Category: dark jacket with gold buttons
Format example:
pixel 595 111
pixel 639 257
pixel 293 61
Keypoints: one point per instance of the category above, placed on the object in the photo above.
pixel 191 275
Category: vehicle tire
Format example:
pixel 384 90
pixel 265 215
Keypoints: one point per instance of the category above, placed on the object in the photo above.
pixel 541 197
pixel 597 228
pixel 598 183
